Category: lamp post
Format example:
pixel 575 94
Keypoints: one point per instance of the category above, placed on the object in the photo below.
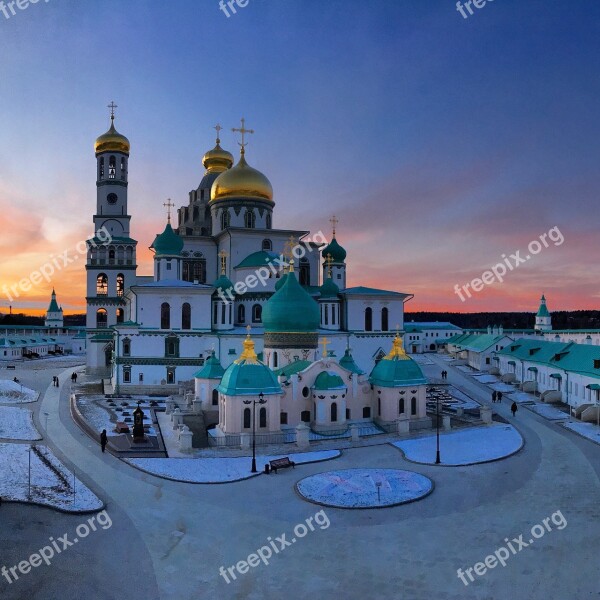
pixel 261 400
pixel 437 427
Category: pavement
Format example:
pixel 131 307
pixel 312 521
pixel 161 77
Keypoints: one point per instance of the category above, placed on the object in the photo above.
pixel 168 540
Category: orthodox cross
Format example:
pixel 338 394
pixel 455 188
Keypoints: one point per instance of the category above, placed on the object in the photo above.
pixel 329 260
pixel 243 131
pixel 218 128
pixel 223 257
pixel 324 342
pixel 112 107
pixel 169 205
pixel 334 221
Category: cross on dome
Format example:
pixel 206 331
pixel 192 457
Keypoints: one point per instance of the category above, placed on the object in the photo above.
pixel 334 221
pixel 243 131
pixel 218 128
pixel 324 342
pixel 112 107
pixel 169 204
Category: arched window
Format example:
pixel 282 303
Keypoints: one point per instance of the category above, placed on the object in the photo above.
pixel 101 167
pixel 120 315
pixel 304 272
pixel 334 416
pixel 186 316
pixel 269 221
pixel 126 347
pixel 165 316
pixel 369 319
pixel 275 360
pixel 257 313
pixel 378 407
pixel 241 313
pixel 267 245
pixel 262 419
pixel 120 284
pixel 247 418
pixel 225 219
pixel 413 405
pixel 250 219
pixel 123 167
pixel 401 406
pixel 111 256
pixel 326 314
pixel 366 412
pixel 112 167
pixel 102 285
pixel 384 319
pixel 215 397
pixel 101 318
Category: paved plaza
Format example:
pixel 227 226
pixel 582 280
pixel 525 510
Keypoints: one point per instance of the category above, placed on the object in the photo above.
pixel 169 540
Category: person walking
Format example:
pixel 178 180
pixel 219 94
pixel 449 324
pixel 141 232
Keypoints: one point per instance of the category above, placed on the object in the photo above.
pixel 75 377
pixel 514 409
pixel 494 396
pixel 499 397
pixel 103 439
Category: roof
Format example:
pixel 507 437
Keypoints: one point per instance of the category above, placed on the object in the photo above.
pixel 417 326
pixel 329 289
pixel 53 304
pixel 367 291
pixel 328 380
pixel 476 342
pixel 259 259
pixel 293 367
pixel 338 254
pixel 168 243
pixel 248 378
pixel 212 369
pixel 348 363
pixel 397 372
pixel 543 310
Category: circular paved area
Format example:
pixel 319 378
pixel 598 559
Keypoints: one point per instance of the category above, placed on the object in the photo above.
pixel 364 488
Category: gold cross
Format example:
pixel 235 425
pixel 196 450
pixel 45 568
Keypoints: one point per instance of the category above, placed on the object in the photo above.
pixel 329 260
pixel 334 221
pixel 324 342
pixel 112 107
pixel 243 131
pixel 223 256
pixel 248 329
pixel 169 205
pixel 218 128
pixel 289 247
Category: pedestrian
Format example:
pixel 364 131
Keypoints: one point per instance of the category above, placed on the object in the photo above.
pixel 499 396
pixel 75 375
pixel 494 396
pixel 514 408
pixel 53 380
pixel 442 374
pixel 103 439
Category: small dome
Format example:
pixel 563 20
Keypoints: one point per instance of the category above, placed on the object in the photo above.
pixel 212 369
pixel 280 281
pixel 338 254
pixel 112 141
pixel 291 309
pixel 347 361
pixel 241 181
pixel 329 290
pixel 328 380
pixel 217 160
pixel 167 243
pixel 223 283
pixel 397 369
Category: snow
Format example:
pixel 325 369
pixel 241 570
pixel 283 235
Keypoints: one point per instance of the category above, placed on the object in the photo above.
pixel 422 359
pixel 219 470
pixel 17 424
pixel 468 370
pixel 486 378
pixel 364 488
pixel 15 393
pixel 464 447
pixel 503 387
pixel 100 415
pixel 549 412
pixel 51 482
pixel 520 397
pixel 587 430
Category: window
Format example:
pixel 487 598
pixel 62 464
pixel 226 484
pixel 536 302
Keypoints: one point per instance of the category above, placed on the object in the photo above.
pixel 384 319
pixel 111 256
pixel 101 168
pixel 283 418
pixel 257 313
pixel 326 321
pixel 223 309
pixel 194 270
pixel 241 313
pixel 333 311
pixel 334 412
pixel 369 319
pixel 225 219
pixel 366 412
pixel 112 198
pixel 215 398
pixel 379 407
pixel 269 221
pixel 170 374
pixel 120 315
pixel 101 318
pixel 215 313
pixel 305 392
pixel 304 276
pixel 401 406
pixel 247 418
pixel 186 316
pixel 275 360
pixel 267 245
pixel 347 414
pixel 112 167
pixel 165 316
pixel 126 374
pixel 413 406
pixel 141 377
pixel 250 219
pixel 305 416
pixel 102 285
pixel 262 417
pixel 123 168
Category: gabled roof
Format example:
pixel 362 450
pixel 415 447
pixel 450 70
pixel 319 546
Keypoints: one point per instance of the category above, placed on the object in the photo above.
pixel 477 342
pixel 367 291
pixel 294 367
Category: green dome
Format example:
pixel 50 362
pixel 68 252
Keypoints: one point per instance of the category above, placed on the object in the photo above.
pixel 167 243
pixel 223 283
pixel 328 380
pixel 329 289
pixel 338 254
pixel 347 361
pixel 280 281
pixel 397 369
pixel 291 309
pixel 212 369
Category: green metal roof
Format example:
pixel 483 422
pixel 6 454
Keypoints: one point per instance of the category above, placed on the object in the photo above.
pixel 329 290
pixel 397 372
pixel 362 290
pixel 293 368
pixel 53 304
pixel 212 369
pixel 168 243
pixel 246 378
pixel 476 342
pixel 223 283
pixel 347 361
pixel 543 310
pixel 328 380
pixel 258 259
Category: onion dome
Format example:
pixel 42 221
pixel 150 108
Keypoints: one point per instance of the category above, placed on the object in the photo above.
pixel 217 160
pixel 212 369
pixel 167 243
pixel 241 182
pixel 338 254
pixel 329 290
pixel 328 380
pixel 112 141
pixel 280 281
pixel 223 283
pixel 397 369
pixel 291 308
pixel 248 376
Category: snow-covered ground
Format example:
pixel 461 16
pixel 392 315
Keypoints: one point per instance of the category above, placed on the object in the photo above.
pixel 51 482
pixel 364 488
pixel 15 393
pixel 549 412
pixel 464 447
pixel 468 370
pixel 422 359
pixel 466 402
pixel 17 424
pixel 520 397
pixel 503 387
pixel 100 415
pixel 486 378
pixel 218 470
pixel 589 430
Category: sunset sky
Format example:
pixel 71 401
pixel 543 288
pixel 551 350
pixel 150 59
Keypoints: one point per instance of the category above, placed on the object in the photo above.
pixel 441 143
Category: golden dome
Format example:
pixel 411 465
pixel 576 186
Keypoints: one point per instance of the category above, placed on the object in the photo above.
pixel 241 181
pixel 112 141
pixel 217 160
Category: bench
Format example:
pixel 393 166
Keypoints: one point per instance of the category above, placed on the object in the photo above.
pixel 122 427
pixel 281 463
pixel 11 367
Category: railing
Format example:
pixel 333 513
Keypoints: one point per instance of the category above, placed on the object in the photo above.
pixel 225 440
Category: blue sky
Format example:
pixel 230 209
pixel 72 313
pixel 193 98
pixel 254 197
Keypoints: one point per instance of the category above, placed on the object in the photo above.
pixel 440 142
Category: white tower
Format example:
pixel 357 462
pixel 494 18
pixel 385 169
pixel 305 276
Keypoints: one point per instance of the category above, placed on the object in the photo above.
pixel 543 320
pixel 54 314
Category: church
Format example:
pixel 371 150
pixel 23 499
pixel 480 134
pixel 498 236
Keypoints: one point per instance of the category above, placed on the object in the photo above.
pixel 223 268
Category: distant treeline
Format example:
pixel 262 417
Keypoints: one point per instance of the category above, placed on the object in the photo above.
pixel 20 319
pixel 577 319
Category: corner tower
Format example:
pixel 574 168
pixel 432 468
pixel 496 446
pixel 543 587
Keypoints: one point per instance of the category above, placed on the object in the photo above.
pixel 543 320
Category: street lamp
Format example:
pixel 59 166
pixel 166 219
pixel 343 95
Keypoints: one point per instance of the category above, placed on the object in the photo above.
pixel 261 400
pixel 437 427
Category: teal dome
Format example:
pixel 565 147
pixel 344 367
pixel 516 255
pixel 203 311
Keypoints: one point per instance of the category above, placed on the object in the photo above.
pixel 291 309
pixel 167 243
pixel 329 289
pixel 347 361
pixel 397 369
pixel 328 380
pixel 212 369
pixel 223 283
pixel 280 282
pixel 338 254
